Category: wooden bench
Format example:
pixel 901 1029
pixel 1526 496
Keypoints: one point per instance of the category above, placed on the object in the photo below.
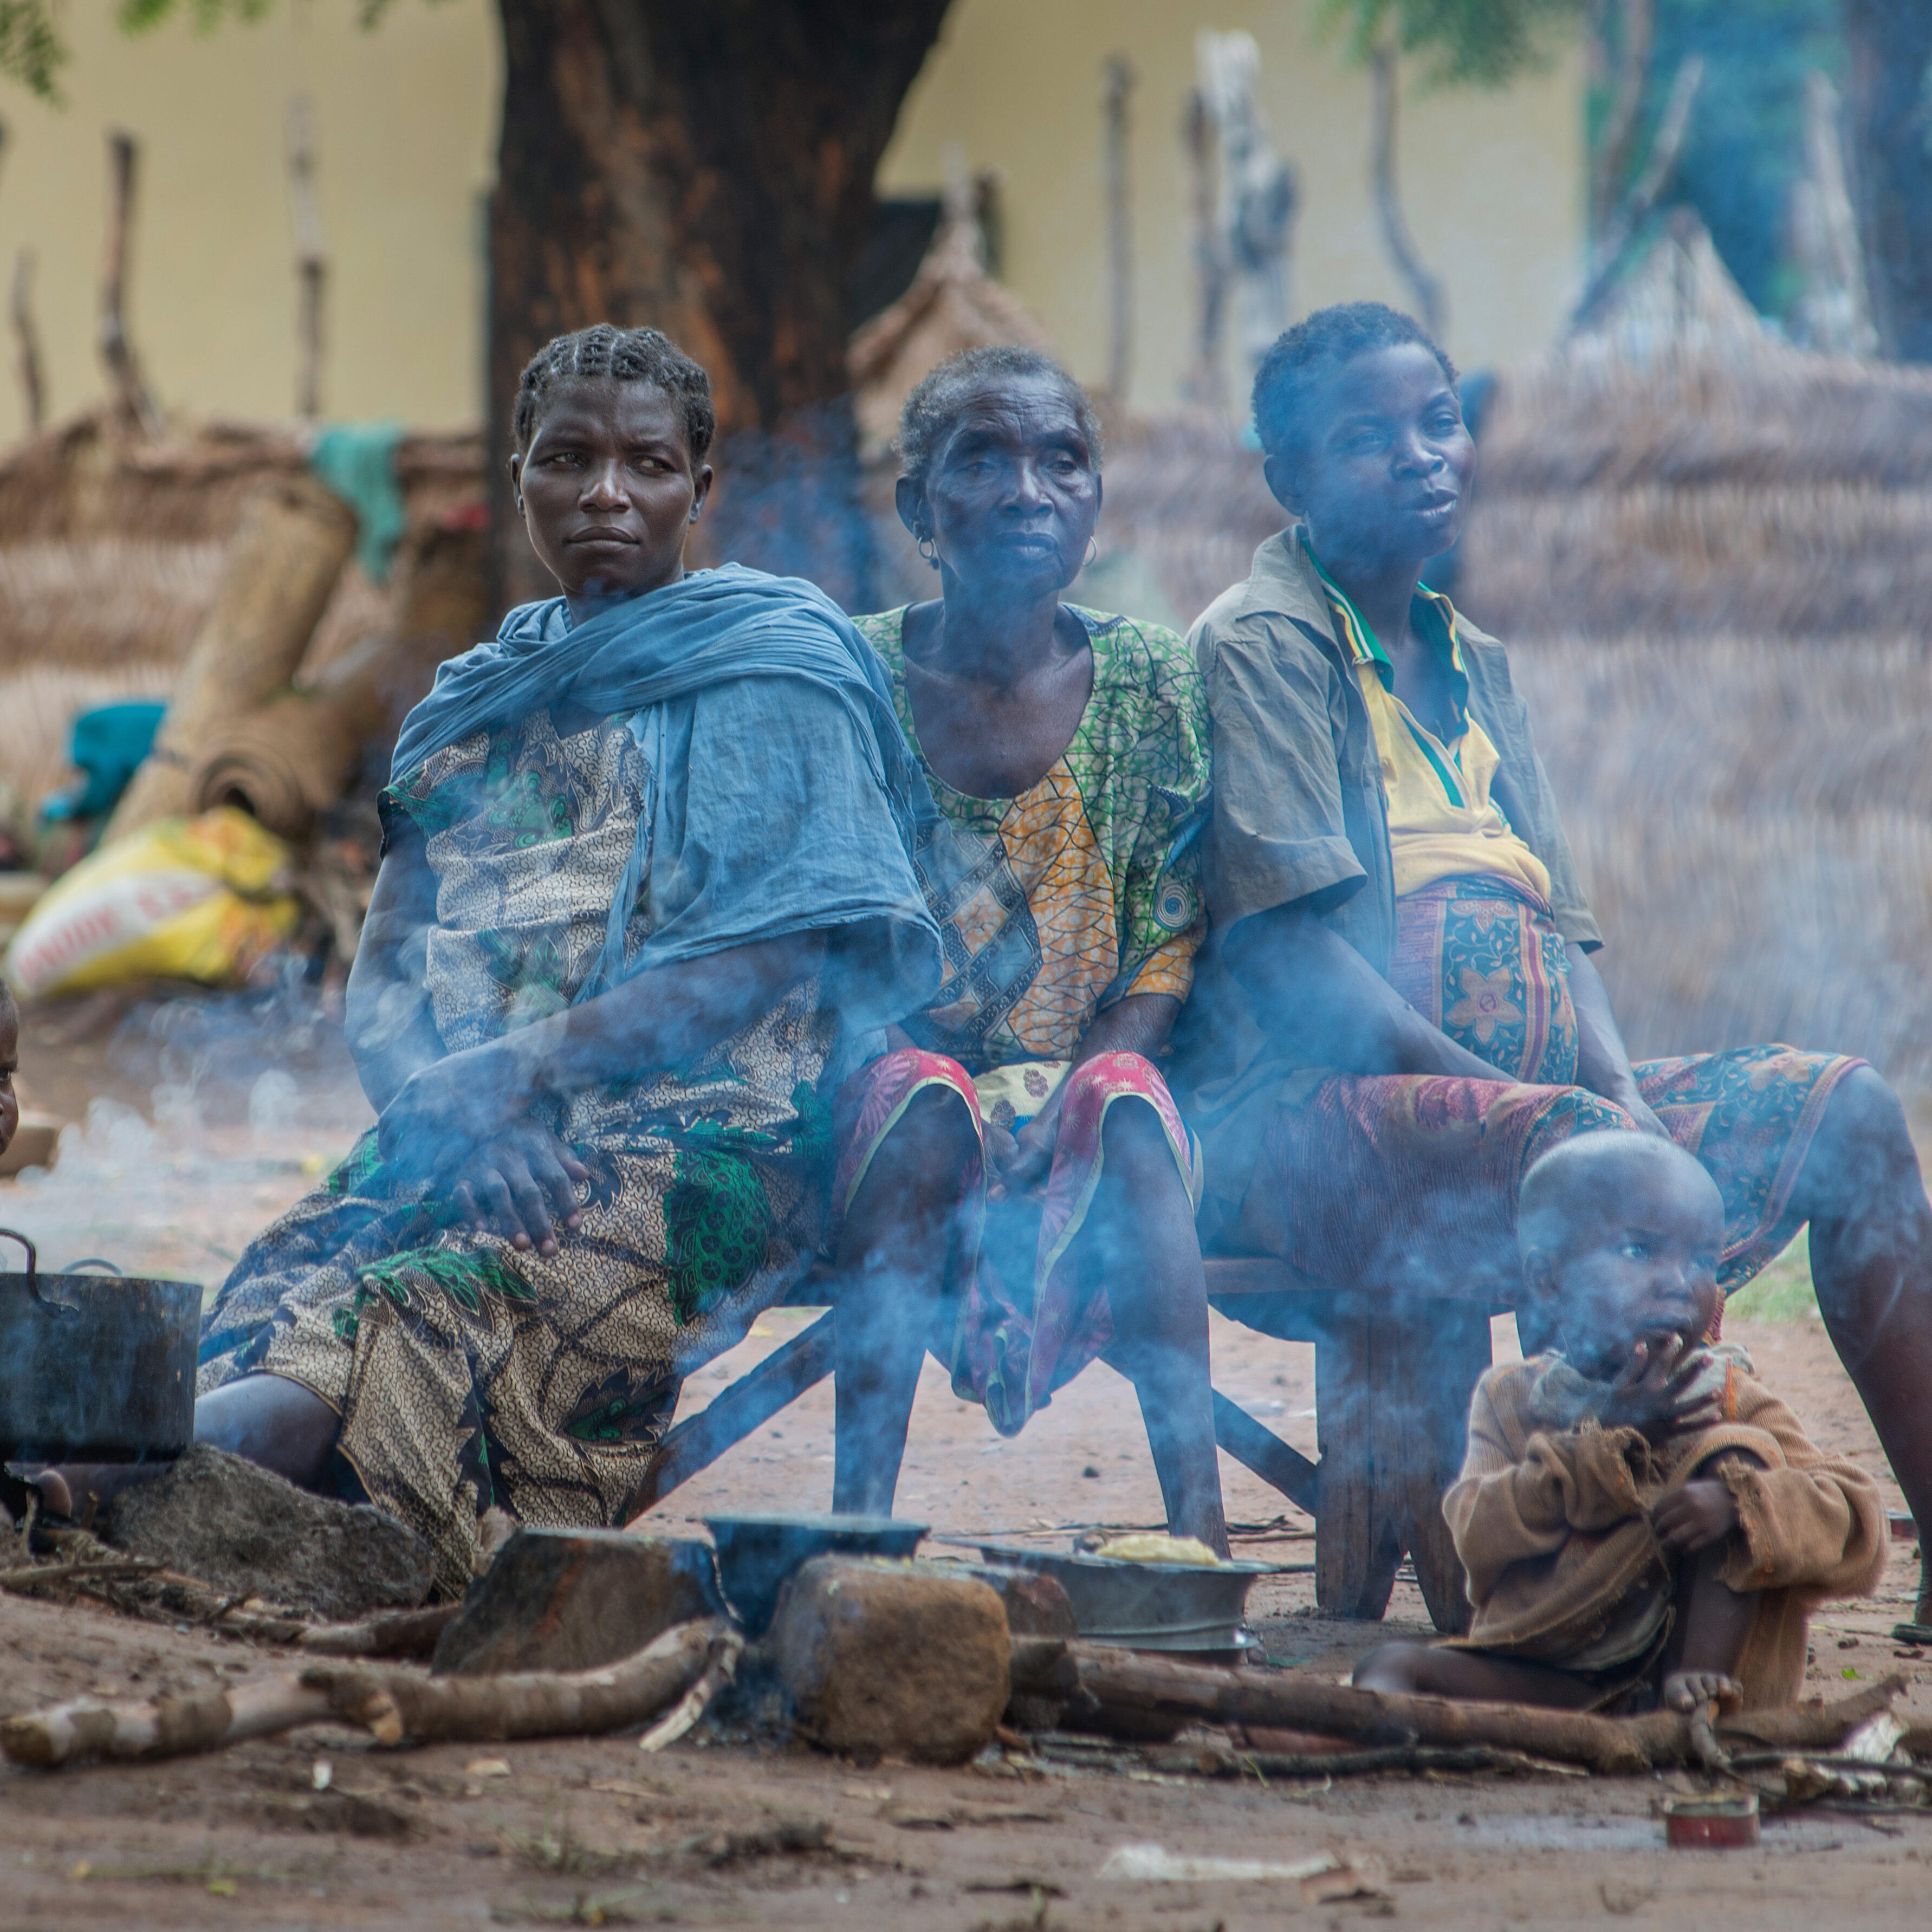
pixel 1392 1379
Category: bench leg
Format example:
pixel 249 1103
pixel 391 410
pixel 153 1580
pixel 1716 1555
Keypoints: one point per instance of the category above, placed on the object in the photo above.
pixel 1356 1543
pixel 1392 1400
pixel 1436 1361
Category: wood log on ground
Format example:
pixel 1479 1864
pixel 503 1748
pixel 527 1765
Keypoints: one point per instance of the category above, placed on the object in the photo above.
pixel 165 1727
pixel 287 555
pixel 399 1704
pixel 1104 1681
pixel 388 1633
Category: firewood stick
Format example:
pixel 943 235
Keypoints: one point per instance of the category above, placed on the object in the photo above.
pixel 397 1703
pixel 1814 1724
pixel 1119 1680
pixel 387 1634
pixel 37 1576
pixel 719 1672
pixel 165 1727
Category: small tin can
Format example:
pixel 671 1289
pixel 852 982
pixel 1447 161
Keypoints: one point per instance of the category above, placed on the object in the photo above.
pixel 1716 1823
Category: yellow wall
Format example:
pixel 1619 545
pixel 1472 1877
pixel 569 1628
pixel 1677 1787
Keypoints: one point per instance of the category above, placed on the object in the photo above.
pixel 406 120
pixel 1492 183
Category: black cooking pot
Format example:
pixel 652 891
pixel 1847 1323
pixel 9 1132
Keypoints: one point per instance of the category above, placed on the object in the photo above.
pixel 94 1368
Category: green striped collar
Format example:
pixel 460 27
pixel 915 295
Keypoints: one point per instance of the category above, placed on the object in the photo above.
pixel 1430 611
pixel 1434 617
pixel 1433 614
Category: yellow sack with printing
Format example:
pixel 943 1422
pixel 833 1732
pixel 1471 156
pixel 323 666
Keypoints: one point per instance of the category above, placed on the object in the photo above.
pixel 183 899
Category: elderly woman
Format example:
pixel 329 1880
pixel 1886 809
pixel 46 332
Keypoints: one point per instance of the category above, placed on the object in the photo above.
pixel 1067 754
pixel 1395 904
pixel 647 882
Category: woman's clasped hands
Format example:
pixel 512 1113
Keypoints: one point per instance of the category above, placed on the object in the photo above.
pixel 501 1170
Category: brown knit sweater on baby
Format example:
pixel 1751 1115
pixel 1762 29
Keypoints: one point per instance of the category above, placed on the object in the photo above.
pixel 1551 1519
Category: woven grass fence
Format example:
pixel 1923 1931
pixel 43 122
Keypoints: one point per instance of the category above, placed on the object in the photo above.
pixel 1752 819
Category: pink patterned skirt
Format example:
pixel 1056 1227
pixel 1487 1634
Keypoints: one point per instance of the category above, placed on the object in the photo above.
pixel 1021 1319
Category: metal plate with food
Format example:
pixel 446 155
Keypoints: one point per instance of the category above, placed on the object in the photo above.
pixel 1195 1609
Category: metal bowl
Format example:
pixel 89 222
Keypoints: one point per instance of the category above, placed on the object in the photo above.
pixel 757 1553
pixel 1195 1609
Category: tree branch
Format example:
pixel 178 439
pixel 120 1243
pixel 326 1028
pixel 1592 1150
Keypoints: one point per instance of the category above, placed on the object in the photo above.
pixel 1612 160
pixel 1640 203
pixel 1426 288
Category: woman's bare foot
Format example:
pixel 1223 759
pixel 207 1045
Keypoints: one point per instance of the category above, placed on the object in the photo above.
pixel 69 1489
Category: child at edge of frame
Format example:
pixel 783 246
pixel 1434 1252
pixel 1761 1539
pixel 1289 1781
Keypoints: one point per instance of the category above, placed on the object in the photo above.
pixel 1642 1522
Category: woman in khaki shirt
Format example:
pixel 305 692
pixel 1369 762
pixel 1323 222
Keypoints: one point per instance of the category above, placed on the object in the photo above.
pixel 1399 1015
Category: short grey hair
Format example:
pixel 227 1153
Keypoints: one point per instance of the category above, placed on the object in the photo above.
pixel 932 408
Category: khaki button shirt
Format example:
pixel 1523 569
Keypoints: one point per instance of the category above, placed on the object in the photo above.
pixel 1300 816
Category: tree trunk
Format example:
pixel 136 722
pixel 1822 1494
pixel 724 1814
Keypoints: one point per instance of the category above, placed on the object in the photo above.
pixel 707 170
pixel 1424 288
pixel 1891 133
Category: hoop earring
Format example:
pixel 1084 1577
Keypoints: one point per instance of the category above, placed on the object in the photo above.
pixel 1093 551
pixel 927 549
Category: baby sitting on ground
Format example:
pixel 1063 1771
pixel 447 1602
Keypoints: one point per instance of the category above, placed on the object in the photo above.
pixel 1640 1519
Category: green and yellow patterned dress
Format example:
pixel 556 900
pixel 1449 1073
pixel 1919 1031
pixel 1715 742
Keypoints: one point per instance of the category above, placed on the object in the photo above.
pixel 469 1374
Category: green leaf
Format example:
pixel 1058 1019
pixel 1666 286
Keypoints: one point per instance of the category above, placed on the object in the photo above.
pixel 32 50
pixel 1458 43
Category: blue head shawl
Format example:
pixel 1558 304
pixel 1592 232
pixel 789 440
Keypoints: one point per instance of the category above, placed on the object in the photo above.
pixel 711 627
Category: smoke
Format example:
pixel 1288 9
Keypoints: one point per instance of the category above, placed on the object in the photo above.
pixel 217 1112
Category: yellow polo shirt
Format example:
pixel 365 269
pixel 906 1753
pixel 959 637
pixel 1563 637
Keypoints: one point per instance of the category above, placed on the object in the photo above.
pixel 1443 823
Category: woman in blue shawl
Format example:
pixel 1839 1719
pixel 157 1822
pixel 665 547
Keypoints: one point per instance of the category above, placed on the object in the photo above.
pixel 645 889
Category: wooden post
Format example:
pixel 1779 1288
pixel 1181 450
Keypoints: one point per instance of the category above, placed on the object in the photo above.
pixel 20 306
pixel 311 263
pixel 1117 82
pixel 1206 382
pixel 123 368
pixel 1425 287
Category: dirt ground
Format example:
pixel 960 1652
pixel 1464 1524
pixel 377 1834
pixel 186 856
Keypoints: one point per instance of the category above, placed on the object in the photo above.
pixel 207 1123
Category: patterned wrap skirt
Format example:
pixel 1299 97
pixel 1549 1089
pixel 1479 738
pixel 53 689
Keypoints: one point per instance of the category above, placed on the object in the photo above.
pixel 1409 1182
pixel 1022 1315
pixel 468 1374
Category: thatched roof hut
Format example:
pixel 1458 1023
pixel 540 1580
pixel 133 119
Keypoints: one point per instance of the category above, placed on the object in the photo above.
pixel 1679 469
pixel 1712 554
pixel 953 305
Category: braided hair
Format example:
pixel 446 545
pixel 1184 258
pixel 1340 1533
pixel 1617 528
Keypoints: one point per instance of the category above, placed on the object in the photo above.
pixel 604 354
pixel 1289 372
pixel 930 411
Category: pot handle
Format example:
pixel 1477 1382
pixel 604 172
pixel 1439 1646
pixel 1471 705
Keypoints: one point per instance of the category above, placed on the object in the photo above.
pixel 33 1272
pixel 33 1256
pixel 92 1260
